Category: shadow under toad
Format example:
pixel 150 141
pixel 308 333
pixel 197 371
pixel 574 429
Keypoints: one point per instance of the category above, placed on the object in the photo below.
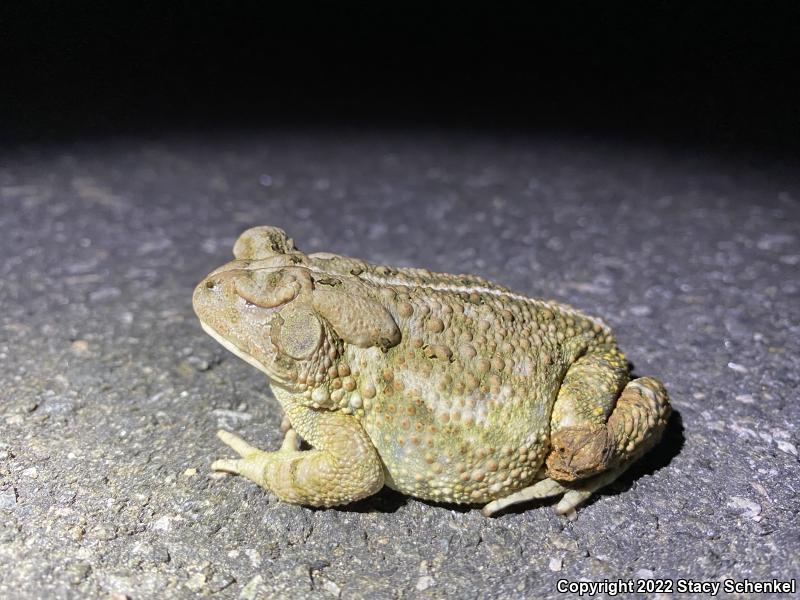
pixel 389 501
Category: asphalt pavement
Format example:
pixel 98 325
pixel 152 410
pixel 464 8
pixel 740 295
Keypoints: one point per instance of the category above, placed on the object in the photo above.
pixel 111 394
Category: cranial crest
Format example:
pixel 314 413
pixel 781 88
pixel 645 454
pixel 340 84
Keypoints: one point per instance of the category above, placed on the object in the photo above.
pixel 270 288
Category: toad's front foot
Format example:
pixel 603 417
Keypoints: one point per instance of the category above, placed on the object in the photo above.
pixel 256 464
pixel 342 466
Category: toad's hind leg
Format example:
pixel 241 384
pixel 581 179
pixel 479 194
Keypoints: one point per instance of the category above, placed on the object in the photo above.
pixel 635 425
pixel 588 456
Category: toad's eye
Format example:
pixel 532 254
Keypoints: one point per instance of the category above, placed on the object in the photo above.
pixel 297 332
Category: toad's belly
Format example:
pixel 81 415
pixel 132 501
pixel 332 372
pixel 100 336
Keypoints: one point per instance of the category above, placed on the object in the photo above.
pixel 446 435
pixel 455 464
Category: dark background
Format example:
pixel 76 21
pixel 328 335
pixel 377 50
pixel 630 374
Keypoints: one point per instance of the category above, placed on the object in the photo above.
pixel 714 73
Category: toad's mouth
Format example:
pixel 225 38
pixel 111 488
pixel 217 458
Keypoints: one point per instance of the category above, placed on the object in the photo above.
pixel 233 348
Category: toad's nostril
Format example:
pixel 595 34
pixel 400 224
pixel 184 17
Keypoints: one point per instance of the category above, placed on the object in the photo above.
pixel 211 284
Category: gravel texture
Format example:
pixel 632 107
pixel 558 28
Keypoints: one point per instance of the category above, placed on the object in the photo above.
pixel 110 393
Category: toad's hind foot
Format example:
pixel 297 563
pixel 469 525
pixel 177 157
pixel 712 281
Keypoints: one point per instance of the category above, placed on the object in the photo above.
pixel 572 495
pixel 546 488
